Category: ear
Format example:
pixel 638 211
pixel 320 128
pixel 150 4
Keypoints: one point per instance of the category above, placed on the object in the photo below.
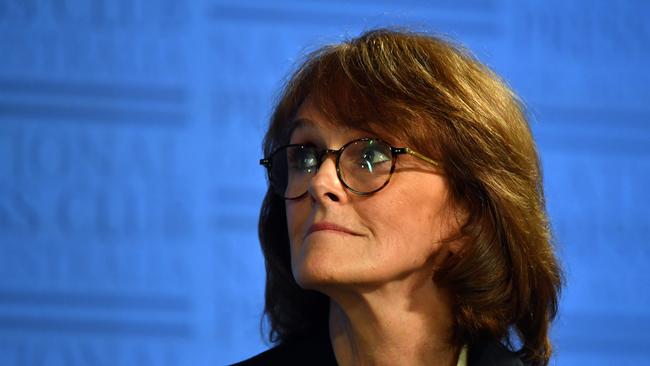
pixel 458 219
pixel 456 247
pixel 449 254
pixel 454 243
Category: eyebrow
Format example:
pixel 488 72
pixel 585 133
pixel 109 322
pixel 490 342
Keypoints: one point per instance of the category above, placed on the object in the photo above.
pixel 304 123
pixel 299 124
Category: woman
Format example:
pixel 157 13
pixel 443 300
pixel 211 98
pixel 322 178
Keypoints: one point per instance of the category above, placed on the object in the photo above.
pixel 405 220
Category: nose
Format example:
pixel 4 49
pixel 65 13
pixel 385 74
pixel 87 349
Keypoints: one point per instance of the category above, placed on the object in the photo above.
pixel 325 185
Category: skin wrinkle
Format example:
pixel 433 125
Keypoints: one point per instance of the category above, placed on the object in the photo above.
pixel 385 345
pixel 387 269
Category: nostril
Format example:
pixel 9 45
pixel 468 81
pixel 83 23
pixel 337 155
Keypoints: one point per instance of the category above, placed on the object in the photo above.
pixel 332 196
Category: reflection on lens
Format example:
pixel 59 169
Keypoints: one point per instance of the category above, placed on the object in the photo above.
pixel 291 169
pixel 366 165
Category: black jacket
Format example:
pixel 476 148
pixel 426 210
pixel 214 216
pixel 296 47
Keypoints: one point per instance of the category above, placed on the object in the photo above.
pixel 317 351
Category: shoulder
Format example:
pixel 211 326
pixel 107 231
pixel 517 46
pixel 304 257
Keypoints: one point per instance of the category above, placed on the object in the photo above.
pixel 308 351
pixel 276 355
pixel 492 354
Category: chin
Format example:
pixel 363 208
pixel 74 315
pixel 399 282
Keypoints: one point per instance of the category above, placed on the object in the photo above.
pixel 323 274
pixel 315 274
pixel 321 264
pixel 329 275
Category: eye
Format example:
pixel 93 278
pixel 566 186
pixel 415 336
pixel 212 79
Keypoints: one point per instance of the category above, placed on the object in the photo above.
pixel 302 159
pixel 372 157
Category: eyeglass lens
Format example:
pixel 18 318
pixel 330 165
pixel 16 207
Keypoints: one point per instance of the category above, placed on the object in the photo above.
pixel 364 166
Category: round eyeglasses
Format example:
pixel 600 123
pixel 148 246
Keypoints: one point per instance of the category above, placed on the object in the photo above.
pixel 364 166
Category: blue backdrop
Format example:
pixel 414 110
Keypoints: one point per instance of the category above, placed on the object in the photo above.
pixel 130 133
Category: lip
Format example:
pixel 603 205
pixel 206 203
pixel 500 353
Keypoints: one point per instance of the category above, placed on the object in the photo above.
pixel 330 226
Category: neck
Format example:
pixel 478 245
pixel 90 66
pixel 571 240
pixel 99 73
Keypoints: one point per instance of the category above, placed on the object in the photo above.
pixel 407 322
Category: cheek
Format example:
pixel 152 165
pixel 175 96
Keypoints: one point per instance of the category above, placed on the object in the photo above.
pixel 408 224
pixel 296 216
pixel 291 218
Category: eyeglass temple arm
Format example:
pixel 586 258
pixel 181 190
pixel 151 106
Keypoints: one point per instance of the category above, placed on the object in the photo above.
pixel 406 150
pixel 265 162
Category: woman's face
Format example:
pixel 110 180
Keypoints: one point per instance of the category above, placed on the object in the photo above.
pixel 339 238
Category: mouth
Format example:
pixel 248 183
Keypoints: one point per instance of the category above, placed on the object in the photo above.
pixel 328 226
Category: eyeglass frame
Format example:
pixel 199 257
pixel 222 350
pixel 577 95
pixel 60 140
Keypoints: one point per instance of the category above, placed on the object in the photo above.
pixel 322 155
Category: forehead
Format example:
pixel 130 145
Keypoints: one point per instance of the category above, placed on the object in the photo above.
pixel 328 135
pixel 310 115
pixel 300 125
pixel 310 120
